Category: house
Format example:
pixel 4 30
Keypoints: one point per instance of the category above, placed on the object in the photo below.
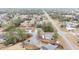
pixel 69 16
pixel 30 47
pixel 2 37
pixel 24 24
pixel 32 40
pixel 69 28
pixel 71 25
pixel 46 38
pixel 31 44
pixel 4 18
pixel 27 26
pixel 49 47
pixel 25 17
pixel 47 35
pixel 37 17
pixel 75 18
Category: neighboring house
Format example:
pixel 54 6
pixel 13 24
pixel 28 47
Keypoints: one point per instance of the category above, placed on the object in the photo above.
pixel 25 17
pixel 32 40
pixel 71 25
pixel 49 47
pixel 39 22
pixel 70 16
pixel 26 25
pixel 32 22
pixel 31 47
pixel 2 37
pixel 69 28
pixel 75 18
pixel 47 35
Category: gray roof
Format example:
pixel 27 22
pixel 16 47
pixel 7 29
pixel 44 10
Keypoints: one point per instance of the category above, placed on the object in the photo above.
pixel 49 47
pixel 2 36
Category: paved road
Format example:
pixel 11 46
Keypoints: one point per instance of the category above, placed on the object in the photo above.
pixel 70 45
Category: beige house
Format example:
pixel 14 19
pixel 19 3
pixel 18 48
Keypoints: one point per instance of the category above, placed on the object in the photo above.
pixel 27 26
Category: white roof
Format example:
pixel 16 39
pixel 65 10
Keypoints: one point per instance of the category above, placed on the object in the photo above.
pixel 47 35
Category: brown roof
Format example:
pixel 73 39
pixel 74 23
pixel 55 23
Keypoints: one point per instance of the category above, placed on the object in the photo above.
pixel 31 47
pixel 48 41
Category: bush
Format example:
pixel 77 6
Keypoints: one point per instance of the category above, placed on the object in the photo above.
pixel 55 35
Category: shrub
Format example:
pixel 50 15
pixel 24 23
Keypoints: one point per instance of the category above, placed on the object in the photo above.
pixel 55 36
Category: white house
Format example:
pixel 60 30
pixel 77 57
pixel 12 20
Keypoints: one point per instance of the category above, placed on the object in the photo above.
pixel 71 25
pixel 47 36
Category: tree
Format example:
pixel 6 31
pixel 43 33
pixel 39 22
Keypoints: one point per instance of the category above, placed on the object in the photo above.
pixel 21 33
pixel 67 19
pixel 39 26
pixel 9 25
pixel 55 36
pixel 10 38
pixel 48 27
pixel 17 21
pixel 14 35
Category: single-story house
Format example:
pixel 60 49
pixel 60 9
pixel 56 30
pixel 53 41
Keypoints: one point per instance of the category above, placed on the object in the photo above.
pixel 2 37
pixel 70 16
pixel 71 25
pixel 24 24
pixel 49 47
pixel 31 47
pixel 32 40
pixel 31 44
pixel 27 27
pixel 47 35
pixel 25 17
